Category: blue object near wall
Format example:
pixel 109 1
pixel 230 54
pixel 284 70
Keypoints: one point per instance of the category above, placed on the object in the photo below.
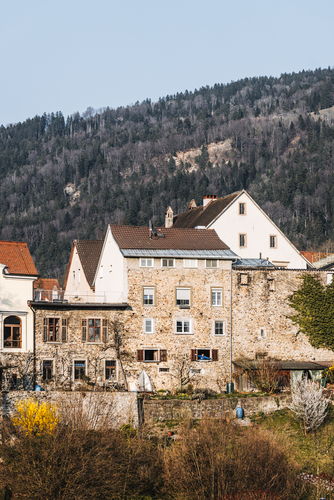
pixel 37 387
pixel 239 412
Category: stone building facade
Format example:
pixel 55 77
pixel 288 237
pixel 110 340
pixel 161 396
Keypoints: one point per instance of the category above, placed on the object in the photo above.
pixel 166 340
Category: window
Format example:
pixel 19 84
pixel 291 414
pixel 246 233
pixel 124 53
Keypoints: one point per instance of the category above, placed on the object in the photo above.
pixel 92 327
pixel 271 285
pixel 52 327
pixel 151 355
pixel 219 327
pixel 79 369
pixel 12 332
pixel 242 208
pixel 94 330
pixel 211 263
pixel 216 297
pixel 189 262
pixel 183 326
pixel 163 369
pixel 204 355
pixel 262 333
pixel 110 373
pixel 148 296
pixel 148 325
pixel 273 241
pixel 242 240
pixel 243 279
pixel 183 297
pixel 47 369
pixel 146 262
pixel 167 262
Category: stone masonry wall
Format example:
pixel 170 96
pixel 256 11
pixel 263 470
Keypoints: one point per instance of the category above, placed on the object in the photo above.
pixel 99 408
pixel 212 408
pixel 259 303
pixel 165 312
pixel 263 304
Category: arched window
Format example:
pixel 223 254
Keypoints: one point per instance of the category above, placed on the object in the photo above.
pixel 12 332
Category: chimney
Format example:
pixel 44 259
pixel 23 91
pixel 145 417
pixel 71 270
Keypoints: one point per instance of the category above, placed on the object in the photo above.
pixel 169 217
pixel 207 198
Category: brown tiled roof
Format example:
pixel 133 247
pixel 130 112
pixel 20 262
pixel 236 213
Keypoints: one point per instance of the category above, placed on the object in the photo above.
pixel 202 216
pixel 16 257
pixel 46 284
pixel 89 252
pixel 136 237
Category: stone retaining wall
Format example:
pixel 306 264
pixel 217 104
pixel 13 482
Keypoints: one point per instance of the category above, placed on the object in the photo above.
pixel 111 409
pixel 173 409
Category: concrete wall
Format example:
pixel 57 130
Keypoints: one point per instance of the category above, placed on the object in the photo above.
pixel 93 408
pixel 77 287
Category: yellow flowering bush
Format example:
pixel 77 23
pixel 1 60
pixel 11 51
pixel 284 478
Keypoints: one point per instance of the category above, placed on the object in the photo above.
pixel 35 418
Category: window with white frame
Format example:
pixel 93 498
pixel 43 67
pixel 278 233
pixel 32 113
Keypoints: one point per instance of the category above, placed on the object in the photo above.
pixel 189 262
pixel 146 262
pixel 148 296
pixel 216 297
pixel 148 325
pixel 48 369
pixel 183 326
pixel 167 262
pixel 211 263
pixel 80 369
pixel 219 327
pixel 183 296
pixel 110 369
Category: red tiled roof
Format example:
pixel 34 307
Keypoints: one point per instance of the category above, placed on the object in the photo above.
pixel 202 216
pixel 136 237
pixel 315 256
pixel 46 284
pixel 16 257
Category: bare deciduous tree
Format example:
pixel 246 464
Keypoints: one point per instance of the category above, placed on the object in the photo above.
pixel 308 404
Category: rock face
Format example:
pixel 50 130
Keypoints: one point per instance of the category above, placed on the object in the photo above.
pixel 260 324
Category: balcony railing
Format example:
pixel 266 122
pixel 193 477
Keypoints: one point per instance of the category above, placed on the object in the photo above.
pixel 62 296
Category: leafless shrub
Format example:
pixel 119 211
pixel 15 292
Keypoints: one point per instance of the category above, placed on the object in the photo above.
pixel 308 404
pixel 216 459
pixel 80 463
pixel 264 372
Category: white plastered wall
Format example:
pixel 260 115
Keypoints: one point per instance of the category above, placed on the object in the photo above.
pixel 77 287
pixel 258 228
pixel 15 291
pixel 111 276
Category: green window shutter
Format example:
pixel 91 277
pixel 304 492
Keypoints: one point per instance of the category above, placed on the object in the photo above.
pixel 105 330
pixel 64 330
pixel 45 329
pixel 84 330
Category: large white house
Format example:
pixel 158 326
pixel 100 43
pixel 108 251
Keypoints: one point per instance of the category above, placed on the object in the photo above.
pixel 17 275
pixel 243 226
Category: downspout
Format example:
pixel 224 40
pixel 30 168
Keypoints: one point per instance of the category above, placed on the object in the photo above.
pixel 231 344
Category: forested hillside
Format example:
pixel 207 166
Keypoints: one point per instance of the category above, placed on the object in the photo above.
pixel 67 178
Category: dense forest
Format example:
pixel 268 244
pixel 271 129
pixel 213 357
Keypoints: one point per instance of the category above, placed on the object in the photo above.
pixel 68 178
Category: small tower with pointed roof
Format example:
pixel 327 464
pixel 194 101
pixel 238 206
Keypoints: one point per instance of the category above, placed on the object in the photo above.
pixel 169 214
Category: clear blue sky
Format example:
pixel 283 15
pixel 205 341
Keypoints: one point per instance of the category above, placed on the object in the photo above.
pixel 67 55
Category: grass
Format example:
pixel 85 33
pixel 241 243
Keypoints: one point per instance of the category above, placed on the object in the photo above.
pixel 313 453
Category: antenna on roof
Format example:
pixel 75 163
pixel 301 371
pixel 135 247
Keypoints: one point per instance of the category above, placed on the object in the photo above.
pixel 151 227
